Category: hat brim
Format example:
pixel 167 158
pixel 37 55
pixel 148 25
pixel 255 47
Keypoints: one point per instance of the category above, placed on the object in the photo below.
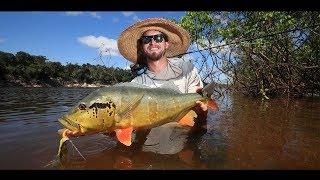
pixel 178 38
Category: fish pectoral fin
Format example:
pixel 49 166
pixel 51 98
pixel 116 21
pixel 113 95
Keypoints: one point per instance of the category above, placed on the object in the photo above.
pixel 212 104
pixel 124 135
pixel 125 111
pixel 61 144
pixel 188 118
pixel 64 138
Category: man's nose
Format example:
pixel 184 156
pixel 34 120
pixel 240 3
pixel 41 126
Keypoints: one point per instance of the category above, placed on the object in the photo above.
pixel 152 41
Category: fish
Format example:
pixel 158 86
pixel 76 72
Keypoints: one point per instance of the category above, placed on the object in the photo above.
pixel 126 107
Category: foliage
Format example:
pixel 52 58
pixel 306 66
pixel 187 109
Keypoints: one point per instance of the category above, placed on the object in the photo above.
pixel 38 69
pixel 268 53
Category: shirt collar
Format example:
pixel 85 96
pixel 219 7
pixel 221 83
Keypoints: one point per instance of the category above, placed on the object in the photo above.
pixel 171 71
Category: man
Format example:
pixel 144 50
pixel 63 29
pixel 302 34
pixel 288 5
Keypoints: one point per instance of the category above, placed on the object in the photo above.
pixel 150 44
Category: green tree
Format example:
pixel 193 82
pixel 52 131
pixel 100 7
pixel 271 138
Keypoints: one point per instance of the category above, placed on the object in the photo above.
pixel 269 53
pixel 6 60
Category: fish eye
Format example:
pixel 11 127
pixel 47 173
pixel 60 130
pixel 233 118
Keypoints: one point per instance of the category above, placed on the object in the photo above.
pixel 82 106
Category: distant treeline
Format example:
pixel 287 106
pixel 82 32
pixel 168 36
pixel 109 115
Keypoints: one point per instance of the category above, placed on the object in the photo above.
pixel 29 70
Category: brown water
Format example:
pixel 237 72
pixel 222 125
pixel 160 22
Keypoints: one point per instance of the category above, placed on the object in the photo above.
pixel 243 134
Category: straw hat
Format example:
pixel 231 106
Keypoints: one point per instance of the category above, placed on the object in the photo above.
pixel 179 38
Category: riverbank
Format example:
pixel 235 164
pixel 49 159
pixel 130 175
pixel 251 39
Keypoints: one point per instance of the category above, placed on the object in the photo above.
pixel 48 83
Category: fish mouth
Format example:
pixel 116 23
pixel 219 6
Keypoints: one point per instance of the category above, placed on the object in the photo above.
pixel 69 124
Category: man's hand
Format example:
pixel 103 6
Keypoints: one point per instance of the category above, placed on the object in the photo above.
pixel 201 105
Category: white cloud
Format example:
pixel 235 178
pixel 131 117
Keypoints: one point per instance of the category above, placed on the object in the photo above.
pixel 74 13
pixel 1 40
pixel 103 44
pixel 78 13
pixel 95 15
pixel 131 14
pixel 127 67
pixel 136 18
pixel 128 13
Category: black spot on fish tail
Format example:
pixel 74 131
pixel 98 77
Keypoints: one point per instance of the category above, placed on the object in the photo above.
pixel 110 113
pixel 113 105
pixel 108 105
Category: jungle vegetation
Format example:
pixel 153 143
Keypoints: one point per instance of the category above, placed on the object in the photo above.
pixel 22 68
pixel 260 54
pixel 266 54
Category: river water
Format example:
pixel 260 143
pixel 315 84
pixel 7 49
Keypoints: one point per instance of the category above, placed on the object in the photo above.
pixel 243 134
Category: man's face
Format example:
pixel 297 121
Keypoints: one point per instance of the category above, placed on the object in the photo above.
pixel 154 50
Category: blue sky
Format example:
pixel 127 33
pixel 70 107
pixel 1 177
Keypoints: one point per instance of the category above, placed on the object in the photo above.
pixel 73 37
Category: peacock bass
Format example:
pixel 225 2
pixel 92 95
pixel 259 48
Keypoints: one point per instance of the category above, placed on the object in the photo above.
pixel 129 106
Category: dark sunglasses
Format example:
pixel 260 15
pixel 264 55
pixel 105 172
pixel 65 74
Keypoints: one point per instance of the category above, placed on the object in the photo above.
pixel 157 38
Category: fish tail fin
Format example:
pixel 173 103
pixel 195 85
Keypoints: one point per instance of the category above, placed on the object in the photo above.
pixel 212 104
pixel 207 92
pixel 208 89
pixel 188 118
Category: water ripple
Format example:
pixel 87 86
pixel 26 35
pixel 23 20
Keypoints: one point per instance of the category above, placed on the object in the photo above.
pixel 244 134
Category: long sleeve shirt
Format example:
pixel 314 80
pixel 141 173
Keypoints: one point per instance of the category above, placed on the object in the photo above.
pixel 170 138
pixel 183 74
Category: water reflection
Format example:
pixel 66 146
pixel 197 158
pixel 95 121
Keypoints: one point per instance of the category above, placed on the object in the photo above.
pixel 180 152
pixel 244 134
pixel 272 137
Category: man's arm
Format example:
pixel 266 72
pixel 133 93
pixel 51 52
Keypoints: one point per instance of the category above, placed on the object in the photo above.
pixel 194 81
pixel 195 84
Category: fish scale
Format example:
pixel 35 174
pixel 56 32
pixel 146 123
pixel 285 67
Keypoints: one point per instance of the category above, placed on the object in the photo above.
pixel 129 106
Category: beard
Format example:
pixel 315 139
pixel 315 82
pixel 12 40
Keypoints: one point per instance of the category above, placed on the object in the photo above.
pixel 154 56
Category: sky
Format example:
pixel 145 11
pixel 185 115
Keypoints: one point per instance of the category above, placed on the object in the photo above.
pixel 71 37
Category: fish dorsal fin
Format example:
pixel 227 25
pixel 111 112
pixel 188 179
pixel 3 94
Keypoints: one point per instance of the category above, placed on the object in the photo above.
pixel 125 110
pixel 208 89
pixel 188 118
pixel 131 84
pixel 170 85
pixel 124 135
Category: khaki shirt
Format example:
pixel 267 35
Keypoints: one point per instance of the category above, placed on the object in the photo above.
pixel 180 72
pixel 170 138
